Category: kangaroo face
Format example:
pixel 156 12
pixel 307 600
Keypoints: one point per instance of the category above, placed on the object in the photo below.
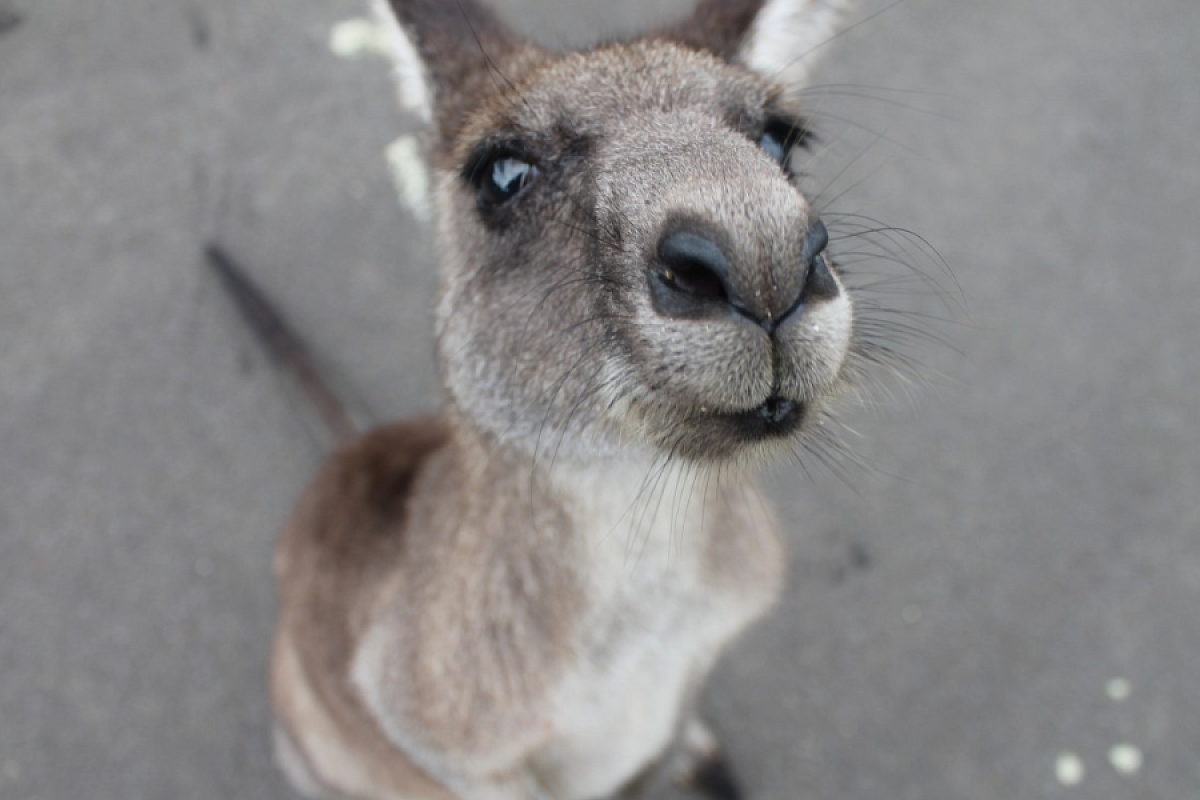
pixel 626 256
pixel 633 259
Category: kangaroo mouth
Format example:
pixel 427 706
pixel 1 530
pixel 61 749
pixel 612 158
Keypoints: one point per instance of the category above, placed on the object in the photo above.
pixel 716 435
pixel 776 417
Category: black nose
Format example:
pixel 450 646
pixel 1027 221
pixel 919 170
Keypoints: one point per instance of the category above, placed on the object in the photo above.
pixel 818 280
pixel 693 278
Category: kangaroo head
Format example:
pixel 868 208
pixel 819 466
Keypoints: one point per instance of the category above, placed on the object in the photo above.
pixel 626 255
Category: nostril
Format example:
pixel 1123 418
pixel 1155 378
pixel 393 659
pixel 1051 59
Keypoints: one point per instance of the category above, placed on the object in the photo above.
pixel 695 279
pixel 692 275
pixel 819 284
pixel 815 241
pixel 818 281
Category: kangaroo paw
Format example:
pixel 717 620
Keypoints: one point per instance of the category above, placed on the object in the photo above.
pixel 701 765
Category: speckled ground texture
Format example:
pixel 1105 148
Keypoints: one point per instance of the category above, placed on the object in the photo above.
pixel 1026 528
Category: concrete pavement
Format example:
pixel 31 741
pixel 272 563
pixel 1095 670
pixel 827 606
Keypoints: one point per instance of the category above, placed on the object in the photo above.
pixel 1009 589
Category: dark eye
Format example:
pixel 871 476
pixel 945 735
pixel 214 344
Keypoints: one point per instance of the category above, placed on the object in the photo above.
pixel 503 179
pixel 773 146
pixel 780 136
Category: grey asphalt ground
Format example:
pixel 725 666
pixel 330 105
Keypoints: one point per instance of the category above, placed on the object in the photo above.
pixel 1025 530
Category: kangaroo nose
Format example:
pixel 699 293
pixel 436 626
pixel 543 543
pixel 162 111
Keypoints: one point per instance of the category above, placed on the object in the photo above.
pixel 694 278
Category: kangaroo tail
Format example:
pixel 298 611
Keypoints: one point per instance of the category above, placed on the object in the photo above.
pixel 286 348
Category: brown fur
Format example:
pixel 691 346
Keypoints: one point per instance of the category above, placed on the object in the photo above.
pixel 717 26
pixel 339 548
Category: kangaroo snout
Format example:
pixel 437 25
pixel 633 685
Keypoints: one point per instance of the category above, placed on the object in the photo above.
pixel 740 325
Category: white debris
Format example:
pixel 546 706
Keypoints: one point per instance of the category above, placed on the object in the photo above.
pixel 356 37
pixel 410 176
pixel 1068 768
pixel 1125 759
pixel 1118 689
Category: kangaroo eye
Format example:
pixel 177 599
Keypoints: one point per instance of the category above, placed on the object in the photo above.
pixel 780 137
pixel 773 146
pixel 503 179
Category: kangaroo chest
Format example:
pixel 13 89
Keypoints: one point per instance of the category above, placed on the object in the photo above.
pixel 654 624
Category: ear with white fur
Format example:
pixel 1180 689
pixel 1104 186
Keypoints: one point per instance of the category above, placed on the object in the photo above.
pixel 442 52
pixel 412 82
pixel 776 38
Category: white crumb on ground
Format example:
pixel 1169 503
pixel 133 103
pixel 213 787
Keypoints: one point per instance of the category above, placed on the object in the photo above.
pixel 1125 759
pixel 1068 768
pixel 410 175
pixel 356 37
pixel 1118 689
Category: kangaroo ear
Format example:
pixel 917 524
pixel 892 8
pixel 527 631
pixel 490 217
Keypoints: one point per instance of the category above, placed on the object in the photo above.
pixel 442 52
pixel 775 38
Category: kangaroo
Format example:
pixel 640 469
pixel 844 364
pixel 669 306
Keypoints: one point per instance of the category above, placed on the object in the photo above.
pixel 520 597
